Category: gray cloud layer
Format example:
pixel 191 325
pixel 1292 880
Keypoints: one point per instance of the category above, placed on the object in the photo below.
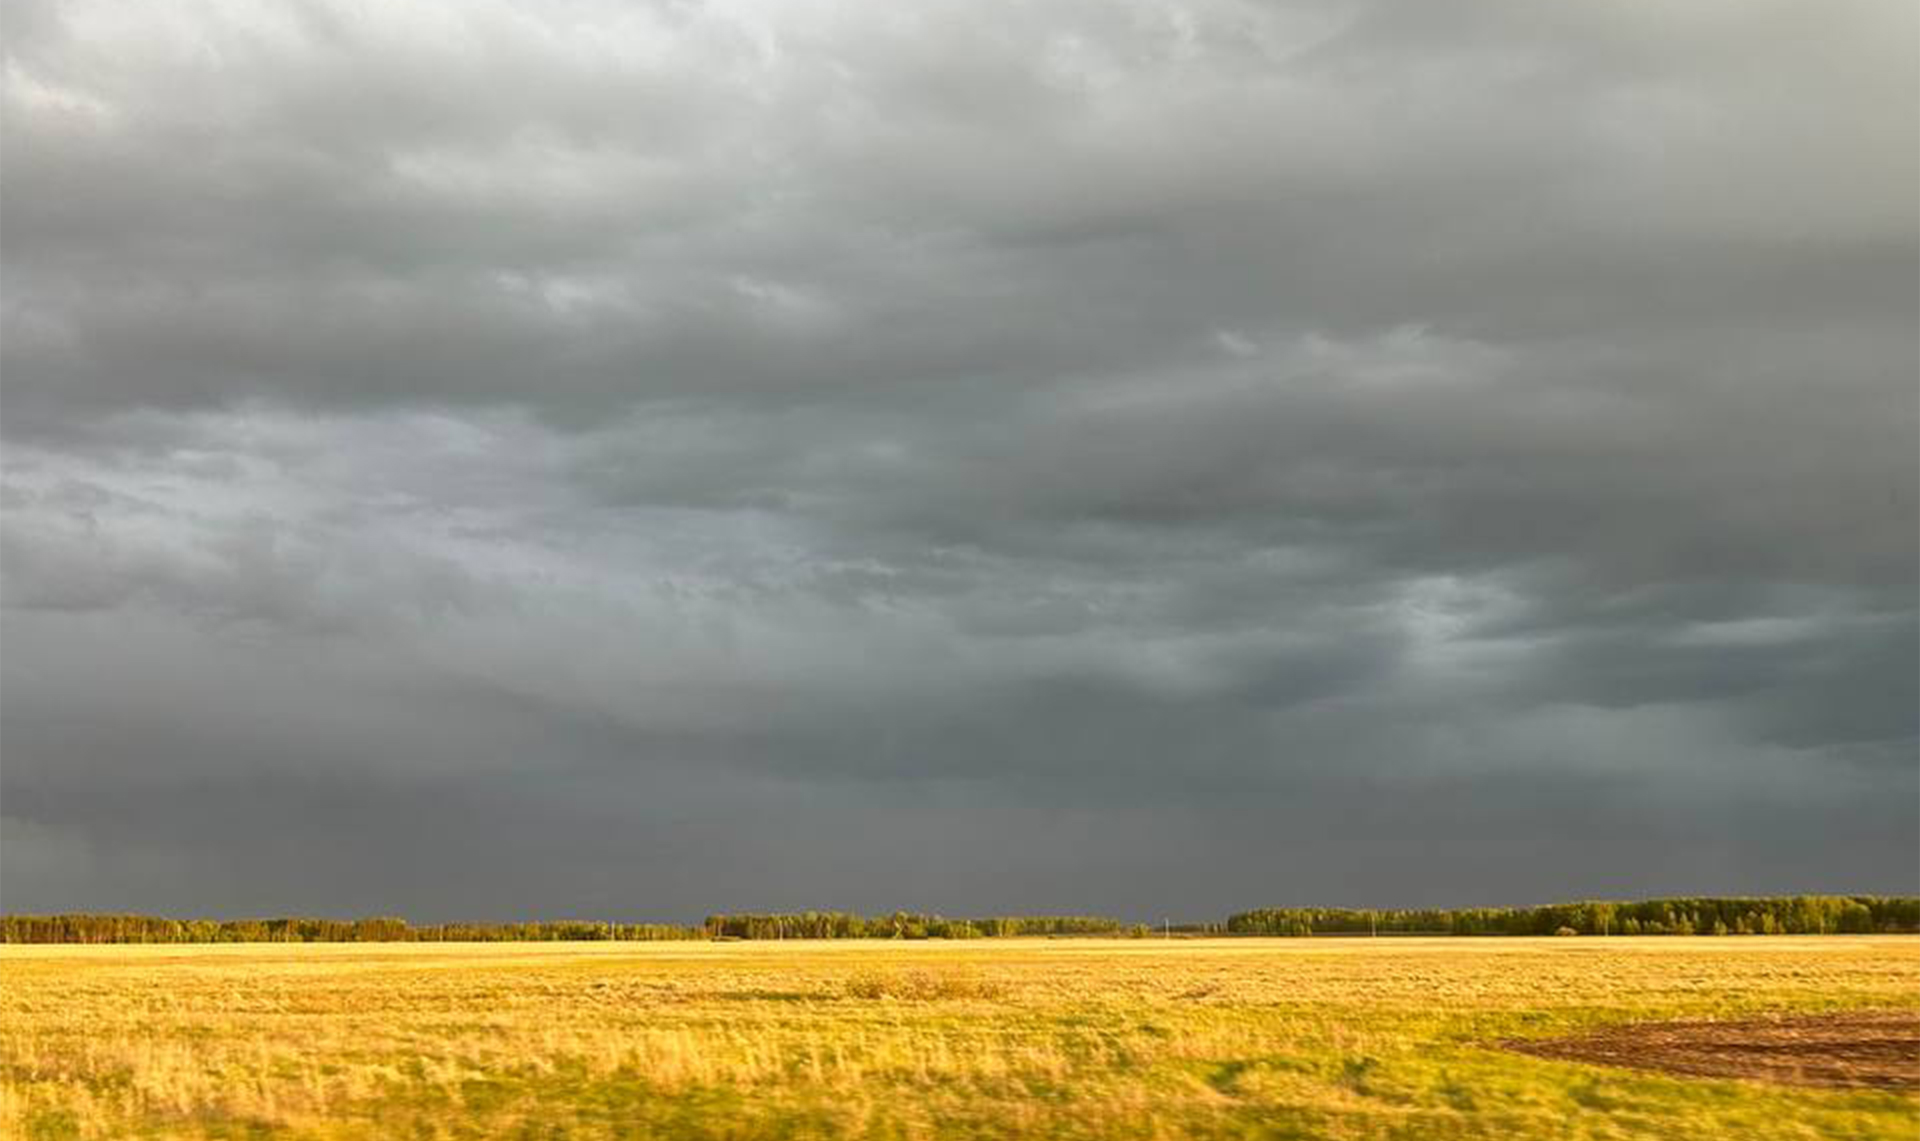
pixel 493 460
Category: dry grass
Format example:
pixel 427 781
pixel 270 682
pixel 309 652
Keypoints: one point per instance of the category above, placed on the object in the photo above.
pixel 1069 1038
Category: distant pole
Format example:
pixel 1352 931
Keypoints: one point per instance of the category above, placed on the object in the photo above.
pixel 1166 927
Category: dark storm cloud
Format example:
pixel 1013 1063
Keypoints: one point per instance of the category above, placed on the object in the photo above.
pixel 496 459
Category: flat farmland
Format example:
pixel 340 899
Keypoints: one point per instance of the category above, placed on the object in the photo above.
pixel 1337 1038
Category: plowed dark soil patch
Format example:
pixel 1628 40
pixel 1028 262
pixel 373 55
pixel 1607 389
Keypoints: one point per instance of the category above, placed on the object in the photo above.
pixel 1871 1049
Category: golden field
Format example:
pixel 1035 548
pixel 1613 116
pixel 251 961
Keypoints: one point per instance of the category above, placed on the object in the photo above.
pixel 1336 1038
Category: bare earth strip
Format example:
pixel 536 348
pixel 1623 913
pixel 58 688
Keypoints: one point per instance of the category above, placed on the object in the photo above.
pixel 1855 1050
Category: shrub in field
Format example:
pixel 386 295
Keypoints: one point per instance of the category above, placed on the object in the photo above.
pixel 921 985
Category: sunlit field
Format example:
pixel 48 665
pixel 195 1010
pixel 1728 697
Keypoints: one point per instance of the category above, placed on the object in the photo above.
pixel 1337 1038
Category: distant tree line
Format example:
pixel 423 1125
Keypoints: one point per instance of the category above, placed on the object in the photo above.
pixel 1778 915
pixel 903 925
pixel 151 929
pixel 1711 915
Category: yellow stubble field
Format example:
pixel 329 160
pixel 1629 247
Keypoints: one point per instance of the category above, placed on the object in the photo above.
pixel 1066 1038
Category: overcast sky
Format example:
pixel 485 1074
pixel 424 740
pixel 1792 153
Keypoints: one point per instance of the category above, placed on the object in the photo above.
pixel 504 460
